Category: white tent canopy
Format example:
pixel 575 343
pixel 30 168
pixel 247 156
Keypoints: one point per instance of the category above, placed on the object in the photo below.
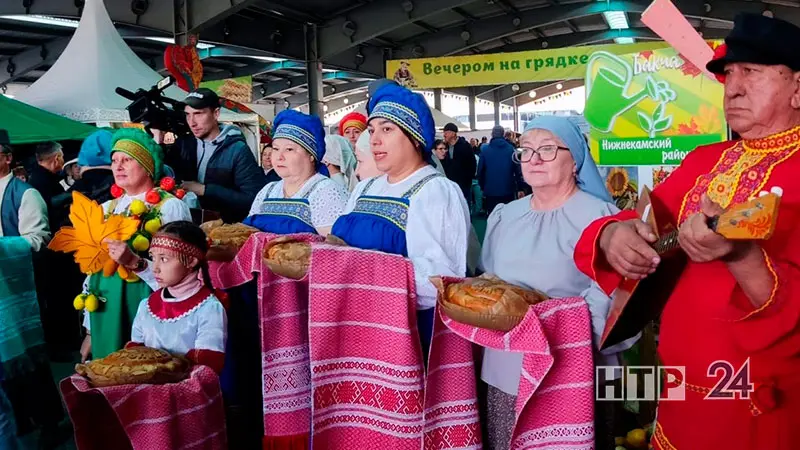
pixel 81 83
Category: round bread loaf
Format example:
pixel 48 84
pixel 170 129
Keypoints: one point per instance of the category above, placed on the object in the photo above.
pixel 135 365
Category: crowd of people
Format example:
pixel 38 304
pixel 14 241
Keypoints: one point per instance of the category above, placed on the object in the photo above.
pixel 387 185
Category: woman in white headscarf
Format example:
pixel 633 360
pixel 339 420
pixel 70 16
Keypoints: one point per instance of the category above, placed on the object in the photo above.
pixel 340 160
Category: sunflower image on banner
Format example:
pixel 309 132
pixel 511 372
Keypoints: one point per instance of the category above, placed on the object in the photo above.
pixel 623 184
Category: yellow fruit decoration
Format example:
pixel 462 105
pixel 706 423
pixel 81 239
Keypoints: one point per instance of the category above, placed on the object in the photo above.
pixel 637 438
pixel 619 447
pixel 140 243
pixel 91 302
pixel 78 303
pixel 137 208
pixel 152 225
pixel 620 441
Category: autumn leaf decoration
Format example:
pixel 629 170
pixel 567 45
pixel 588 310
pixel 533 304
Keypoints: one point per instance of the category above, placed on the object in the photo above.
pixel 88 231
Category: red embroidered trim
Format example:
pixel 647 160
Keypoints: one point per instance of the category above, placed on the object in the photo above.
pixel 175 245
pixel 172 311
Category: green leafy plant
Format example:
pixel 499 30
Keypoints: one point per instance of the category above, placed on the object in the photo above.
pixel 659 121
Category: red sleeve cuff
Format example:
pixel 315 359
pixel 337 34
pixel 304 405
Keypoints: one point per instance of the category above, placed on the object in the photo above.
pixel 213 359
pixel 587 254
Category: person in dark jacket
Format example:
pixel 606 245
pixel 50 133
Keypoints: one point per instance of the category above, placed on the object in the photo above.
pixel 461 165
pixel 45 177
pixel 215 163
pixel 498 176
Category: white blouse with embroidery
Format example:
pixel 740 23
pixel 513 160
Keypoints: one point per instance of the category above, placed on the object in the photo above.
pixel 437 228
pixel 326 201
pixel 203 327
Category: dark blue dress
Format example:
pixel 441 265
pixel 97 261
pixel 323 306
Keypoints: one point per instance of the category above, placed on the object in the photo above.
pixel 241 377
pixel 379 223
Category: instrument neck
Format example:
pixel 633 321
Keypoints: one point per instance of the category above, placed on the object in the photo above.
pixel 669 241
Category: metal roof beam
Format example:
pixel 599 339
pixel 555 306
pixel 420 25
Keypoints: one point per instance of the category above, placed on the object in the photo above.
pixel 451 41
pixel 274 38
pixel 159 14
pixel 255 69
pixel 374 19
pixel 41 55
pixel 205 13
pixel 591 37
pixel 328 90
pixel 271 88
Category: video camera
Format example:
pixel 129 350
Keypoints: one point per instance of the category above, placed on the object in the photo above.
pixel 154 110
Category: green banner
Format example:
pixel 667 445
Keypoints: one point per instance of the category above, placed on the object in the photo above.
pixel 556 64
pixel 650 108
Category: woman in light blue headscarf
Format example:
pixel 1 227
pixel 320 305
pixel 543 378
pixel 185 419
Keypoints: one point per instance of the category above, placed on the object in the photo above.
pixel 529 242
pixel 340 160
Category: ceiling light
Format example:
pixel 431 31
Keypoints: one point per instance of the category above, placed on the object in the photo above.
pixel 532 94
pixel 346 101
pixel 167 40
pixel 559 86
pixel 46 20
pixel 617 20
pixel 325 108
pixel 624 40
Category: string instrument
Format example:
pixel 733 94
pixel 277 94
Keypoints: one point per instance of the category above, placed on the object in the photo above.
pixel 638 302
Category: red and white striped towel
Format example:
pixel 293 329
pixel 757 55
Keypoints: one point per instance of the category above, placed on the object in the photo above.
pixel 285 369
pixel 555 404
pixel 177 416
pixel 366 360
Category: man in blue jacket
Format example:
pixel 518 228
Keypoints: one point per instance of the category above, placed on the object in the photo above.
pixel 215 163
pixel 498 175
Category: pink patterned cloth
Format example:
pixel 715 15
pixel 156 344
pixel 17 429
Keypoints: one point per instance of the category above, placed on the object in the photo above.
pixel 283 310
pixel 185 415
pixel 366 360
pixel 555 404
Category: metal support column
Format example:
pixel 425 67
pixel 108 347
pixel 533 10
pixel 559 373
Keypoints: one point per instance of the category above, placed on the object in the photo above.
pixel 314 72
pixel 181 28
pixel 437 99
pixel 472 116
pixel 516 126
pixel 497 107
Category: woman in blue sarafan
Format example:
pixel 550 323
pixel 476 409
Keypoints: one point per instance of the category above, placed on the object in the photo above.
pixel 305 200
pixel 412 209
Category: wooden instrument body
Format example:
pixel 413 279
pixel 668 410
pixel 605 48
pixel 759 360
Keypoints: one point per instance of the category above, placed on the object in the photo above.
pixel 636 303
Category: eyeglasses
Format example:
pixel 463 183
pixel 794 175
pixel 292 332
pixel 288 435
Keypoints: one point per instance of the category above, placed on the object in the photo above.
pixel 546 153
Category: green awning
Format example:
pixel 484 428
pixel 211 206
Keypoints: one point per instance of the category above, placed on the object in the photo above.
pixel 28 125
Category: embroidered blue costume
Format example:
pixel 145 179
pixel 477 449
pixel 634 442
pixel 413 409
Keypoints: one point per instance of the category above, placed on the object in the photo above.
pixel 317 204
pixel 423 217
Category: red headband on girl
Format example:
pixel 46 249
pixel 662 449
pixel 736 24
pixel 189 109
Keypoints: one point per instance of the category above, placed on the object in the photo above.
pixel 184 250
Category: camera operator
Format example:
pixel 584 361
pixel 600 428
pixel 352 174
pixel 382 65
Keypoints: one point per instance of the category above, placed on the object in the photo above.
pixel 215 162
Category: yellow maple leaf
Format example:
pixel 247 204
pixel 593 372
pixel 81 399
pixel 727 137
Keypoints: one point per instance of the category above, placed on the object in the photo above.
pixel 88 231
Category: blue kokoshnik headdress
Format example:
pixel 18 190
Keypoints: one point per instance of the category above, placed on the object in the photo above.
pixel 302 129
pixel 406 109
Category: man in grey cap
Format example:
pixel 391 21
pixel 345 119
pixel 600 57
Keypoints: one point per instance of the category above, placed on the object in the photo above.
pixel 498 176
pixel 215 163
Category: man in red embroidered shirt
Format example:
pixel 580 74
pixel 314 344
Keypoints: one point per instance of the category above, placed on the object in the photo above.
pixel 734 301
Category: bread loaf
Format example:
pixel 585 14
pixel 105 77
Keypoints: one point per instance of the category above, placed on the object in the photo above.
pixel 480 294
pixel 135 365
